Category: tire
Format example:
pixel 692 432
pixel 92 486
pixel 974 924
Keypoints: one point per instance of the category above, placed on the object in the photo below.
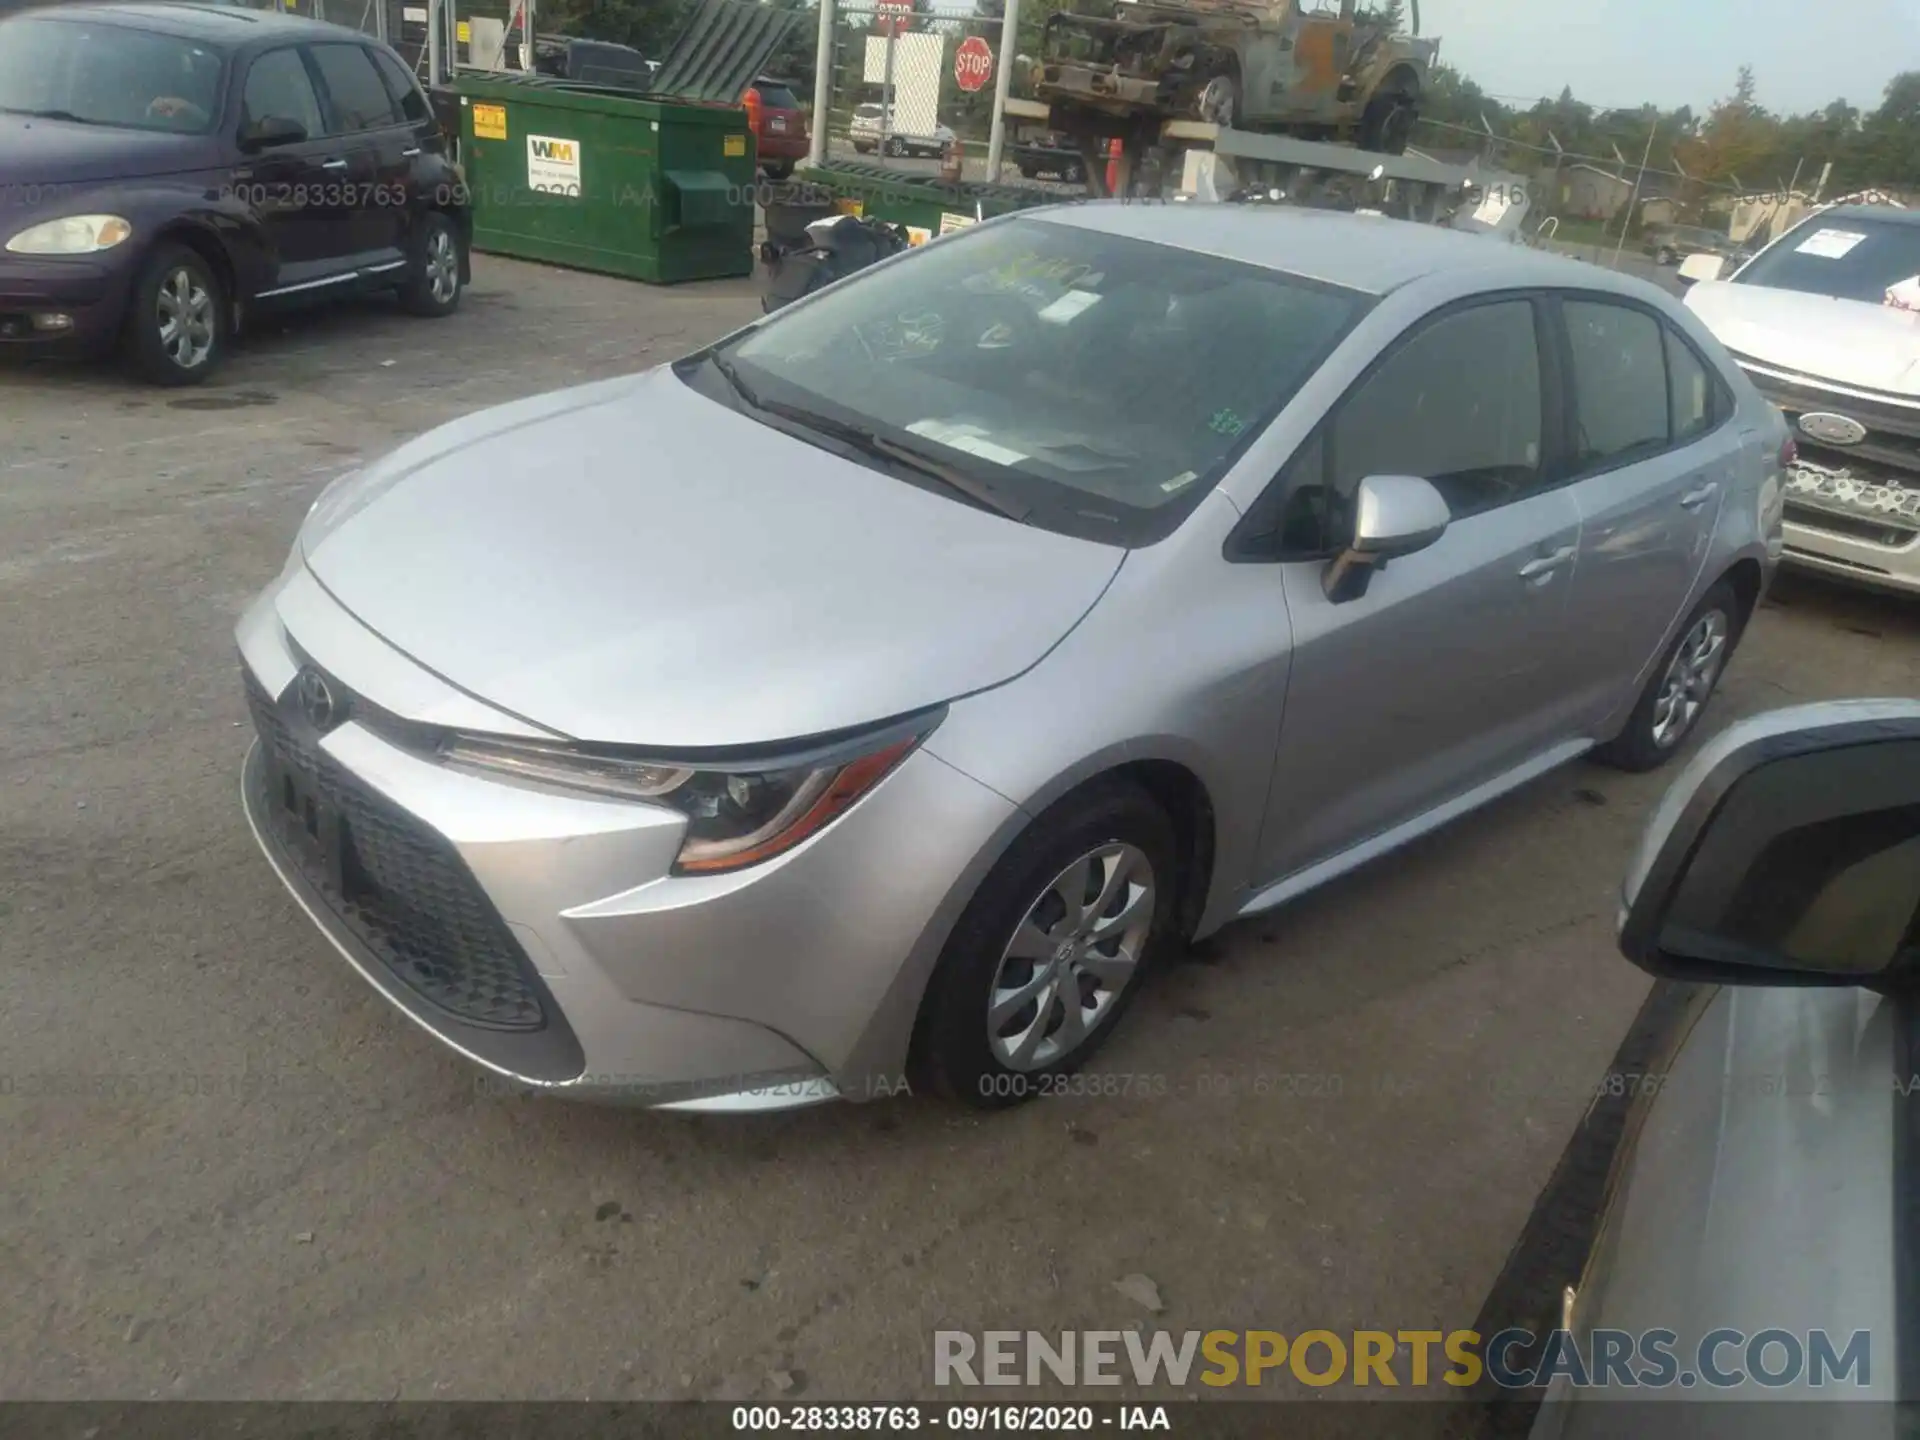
pixel 433 288
pixel 778 171
pixel 1130 843
pixel 1219 101
pixel 1665 257
pixel 896 147
pixel 860 149
pixel 177 322
pixel 1649 739
pixel 1386 127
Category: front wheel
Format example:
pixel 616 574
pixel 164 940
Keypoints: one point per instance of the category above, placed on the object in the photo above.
pixel 1676 696
pixel 1050 951
pixel 177 326
pixel 432 287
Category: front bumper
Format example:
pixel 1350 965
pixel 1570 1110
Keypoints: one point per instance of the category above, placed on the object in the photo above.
pixel 1854 522
pixel 90 293
pixel 541 934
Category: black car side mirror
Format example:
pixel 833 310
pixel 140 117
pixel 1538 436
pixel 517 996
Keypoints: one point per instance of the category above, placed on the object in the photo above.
pixel 272 131
pixel 1787 853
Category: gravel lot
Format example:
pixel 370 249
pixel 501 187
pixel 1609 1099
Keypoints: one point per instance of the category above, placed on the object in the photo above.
pixel 281 1189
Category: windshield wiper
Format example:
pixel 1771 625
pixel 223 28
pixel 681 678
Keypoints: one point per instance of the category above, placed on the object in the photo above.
pixel 52 115
pixel 867 442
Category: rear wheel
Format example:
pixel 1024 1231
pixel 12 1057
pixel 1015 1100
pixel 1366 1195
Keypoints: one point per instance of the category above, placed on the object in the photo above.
pixel 1665 257
pixel 1219 101
pixel 779 170
pixel 1669 709
pixel 432 287
pixel 896 146
pixel 177 325
pixel 1050 951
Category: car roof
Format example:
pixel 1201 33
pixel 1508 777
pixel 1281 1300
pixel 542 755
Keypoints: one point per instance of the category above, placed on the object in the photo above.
pixel 1368 253
pixel 1890 213
pixel 227 25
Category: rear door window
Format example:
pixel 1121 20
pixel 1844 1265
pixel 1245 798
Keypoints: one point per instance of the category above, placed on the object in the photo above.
pixel 1621 400
pixel 357 97
pixel 778 97
pixel 406 93
pixel 1693 388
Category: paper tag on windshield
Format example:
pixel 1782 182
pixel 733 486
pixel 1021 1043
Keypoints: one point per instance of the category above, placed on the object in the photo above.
pixel 965 437
pixel 1493 207
pixel 1829 244
pixel 1905 295
pixel 1073 303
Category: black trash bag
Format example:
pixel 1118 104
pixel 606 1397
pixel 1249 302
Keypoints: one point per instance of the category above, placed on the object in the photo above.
pixel 834 248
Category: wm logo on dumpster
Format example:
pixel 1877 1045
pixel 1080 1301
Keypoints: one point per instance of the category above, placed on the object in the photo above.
pixel 558 151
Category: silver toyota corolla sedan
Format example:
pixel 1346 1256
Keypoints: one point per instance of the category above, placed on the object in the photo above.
pixel 882 689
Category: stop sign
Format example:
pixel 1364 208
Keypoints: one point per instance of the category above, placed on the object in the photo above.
pixel 893 16
pixel 972 63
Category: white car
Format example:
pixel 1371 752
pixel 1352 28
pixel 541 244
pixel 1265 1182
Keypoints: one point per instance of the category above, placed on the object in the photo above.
pixel 1826 322
pixel 867 133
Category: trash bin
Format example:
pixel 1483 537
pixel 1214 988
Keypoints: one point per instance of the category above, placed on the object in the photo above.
pixel 926 207
pixel 649 188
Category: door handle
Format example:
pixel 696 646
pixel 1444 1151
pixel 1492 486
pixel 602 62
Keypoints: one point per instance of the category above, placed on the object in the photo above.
pixel 1547 564
pixel 409 154
pixel 333 164
pixel 1694 499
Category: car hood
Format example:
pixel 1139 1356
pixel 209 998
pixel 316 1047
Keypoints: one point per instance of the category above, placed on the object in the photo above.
pixel 60 152
pixel 1846 342
pixel 631 562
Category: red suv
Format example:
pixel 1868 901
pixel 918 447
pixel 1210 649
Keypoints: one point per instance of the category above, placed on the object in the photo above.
pixel 779 126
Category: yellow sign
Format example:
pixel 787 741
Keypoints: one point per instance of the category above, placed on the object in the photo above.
pixel 733 145
pixel 489 122
pixel 918 235
pixel 850 207
pixel 464 31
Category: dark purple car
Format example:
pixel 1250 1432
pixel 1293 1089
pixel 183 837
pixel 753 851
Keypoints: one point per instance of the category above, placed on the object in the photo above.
pixel 167 170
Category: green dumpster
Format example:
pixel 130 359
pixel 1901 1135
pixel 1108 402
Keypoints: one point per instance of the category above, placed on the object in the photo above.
pixel 920 204
pixel 649 188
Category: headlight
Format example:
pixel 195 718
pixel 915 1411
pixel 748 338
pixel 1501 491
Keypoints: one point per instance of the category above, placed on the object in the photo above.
pixel 75 235
pixel 738 814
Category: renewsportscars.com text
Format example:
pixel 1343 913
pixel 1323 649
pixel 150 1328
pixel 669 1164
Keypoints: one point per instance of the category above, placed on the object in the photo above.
pixel 1512 1359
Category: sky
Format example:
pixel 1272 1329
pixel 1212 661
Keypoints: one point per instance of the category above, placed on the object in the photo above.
pixel 1620 53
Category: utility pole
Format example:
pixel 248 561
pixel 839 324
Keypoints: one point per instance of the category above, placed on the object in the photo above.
pixel 1002 87
pixel 822 86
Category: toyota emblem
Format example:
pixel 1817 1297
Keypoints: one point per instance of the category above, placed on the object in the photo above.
pixel 315 698
pixel 1831 429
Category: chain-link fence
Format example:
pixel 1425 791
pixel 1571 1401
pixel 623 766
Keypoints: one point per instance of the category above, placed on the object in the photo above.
pixel 897 92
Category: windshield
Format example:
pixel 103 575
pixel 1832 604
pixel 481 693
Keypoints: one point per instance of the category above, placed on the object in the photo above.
pixel 777 97
pixel 108 75
pixel 1848 258
pixel 1101 383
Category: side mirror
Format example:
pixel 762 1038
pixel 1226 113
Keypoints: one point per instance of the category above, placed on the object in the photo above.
pixel 1787 853
pixel 1696 268
pixel 1393 515
pixel 272 131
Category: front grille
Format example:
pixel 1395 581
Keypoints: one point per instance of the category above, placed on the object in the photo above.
pixel 401 890
pixel 1893 428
